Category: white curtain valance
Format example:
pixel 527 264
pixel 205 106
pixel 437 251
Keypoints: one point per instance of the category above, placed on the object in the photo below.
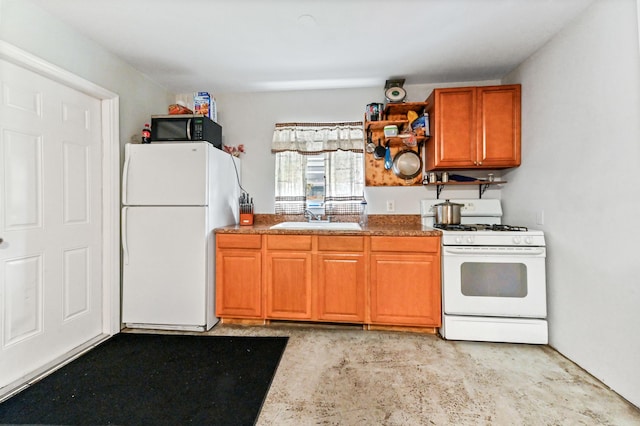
pixel 311 138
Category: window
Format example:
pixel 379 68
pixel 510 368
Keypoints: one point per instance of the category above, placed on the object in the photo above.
pixel 319 167
pixel 315 181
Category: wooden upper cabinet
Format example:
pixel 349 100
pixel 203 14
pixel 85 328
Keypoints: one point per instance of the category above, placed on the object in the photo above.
pixel 474 128
pixel 498 126
pixel 453 137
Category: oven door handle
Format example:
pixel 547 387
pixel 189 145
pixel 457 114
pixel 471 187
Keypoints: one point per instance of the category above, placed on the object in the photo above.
pixel 501 251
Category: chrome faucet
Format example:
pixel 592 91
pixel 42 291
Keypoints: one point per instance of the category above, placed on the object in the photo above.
pixel 313 217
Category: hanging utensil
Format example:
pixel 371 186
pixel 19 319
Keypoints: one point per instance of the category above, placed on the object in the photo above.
pixel 371 147
pixel 379 152
pixel 388 162
pixel 407 164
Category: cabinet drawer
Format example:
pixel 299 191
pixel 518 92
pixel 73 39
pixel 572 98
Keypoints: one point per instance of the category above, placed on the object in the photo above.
pixel 289 242
pixel 406 244
pixel 239 241
pixel 340 243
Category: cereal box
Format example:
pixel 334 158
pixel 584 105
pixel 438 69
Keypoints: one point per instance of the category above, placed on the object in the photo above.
pixel 205 105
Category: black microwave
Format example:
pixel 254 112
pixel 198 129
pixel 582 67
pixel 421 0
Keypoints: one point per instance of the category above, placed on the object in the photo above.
pixel 185 127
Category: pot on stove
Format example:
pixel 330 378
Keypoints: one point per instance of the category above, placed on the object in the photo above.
pixel 447 213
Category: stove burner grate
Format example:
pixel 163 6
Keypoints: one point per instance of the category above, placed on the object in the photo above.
pixel 451 227
pixel 508 228
pixel 480 227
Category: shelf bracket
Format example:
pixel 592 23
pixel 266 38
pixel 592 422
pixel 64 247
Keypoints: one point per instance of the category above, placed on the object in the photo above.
pixel 481 189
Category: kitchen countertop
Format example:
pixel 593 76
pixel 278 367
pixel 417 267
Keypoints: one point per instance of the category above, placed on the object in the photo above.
pixel 383 225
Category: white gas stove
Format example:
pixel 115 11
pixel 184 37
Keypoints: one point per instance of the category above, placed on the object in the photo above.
pixel 493 276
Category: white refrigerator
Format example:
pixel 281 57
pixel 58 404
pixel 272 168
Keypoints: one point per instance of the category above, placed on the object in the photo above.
pixel 173 196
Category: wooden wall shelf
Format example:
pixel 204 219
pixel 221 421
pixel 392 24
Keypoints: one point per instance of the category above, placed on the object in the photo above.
pixel 402 108
pixel 379 125
pixel 483 185
pixel 393 114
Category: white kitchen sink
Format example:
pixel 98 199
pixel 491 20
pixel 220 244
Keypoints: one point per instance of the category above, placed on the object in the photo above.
pixel 334 226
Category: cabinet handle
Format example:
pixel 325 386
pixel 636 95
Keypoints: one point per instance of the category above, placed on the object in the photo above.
pixel 125 244
pixel 479 163
pixel 1 240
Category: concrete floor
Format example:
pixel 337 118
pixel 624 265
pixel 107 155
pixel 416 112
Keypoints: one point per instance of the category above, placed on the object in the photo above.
pixel 346 376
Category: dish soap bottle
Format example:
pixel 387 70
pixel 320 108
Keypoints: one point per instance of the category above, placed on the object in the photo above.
pixel 364 219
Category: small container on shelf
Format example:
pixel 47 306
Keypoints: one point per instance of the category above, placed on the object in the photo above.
pixel 391 131
pixel 374 111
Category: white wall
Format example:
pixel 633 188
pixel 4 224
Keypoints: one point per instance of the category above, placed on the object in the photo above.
pixel 581 163
pixel 37 32
pixel 249 118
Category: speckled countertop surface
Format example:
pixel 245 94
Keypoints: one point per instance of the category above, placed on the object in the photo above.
pixel 389 225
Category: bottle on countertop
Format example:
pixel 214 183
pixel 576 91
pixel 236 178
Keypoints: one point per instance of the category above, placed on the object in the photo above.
pixel 364 218
pixel 146 134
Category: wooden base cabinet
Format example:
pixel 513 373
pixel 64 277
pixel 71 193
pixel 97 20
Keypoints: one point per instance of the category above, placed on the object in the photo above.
pixel 377 280
pixel 405 281
pixel 288 277
pixel 474 128
pixel 239 276
pixel 340 279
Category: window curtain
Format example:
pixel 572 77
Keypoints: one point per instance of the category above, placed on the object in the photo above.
pixel 342 144
pixel 290 183
pixel 314 138
pixel 344 182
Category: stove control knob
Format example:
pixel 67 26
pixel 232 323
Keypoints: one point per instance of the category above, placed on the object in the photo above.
pixel 528 240
pixel 470 239
pixel 517 240
pixel 458 239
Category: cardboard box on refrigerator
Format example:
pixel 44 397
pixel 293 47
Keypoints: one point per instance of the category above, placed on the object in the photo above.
pixel 204 104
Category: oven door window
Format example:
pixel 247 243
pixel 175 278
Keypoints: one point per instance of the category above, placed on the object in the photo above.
pixel 493 279
pixel 493 285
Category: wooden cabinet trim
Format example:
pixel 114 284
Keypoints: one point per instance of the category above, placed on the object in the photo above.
pixel 253 241
pixel 289 242
pixel 405 244
pixel 340 243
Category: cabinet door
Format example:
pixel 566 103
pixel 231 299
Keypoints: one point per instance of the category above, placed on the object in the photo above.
pixel 340 287
pixel 498 116
pixel 453 125
pixel 288 285
pixel 238 283
pixel 405 289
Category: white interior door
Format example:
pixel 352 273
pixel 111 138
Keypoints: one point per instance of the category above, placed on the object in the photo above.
pixel 50 220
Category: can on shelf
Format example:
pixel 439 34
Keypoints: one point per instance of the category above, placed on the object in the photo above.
pixel 374 111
